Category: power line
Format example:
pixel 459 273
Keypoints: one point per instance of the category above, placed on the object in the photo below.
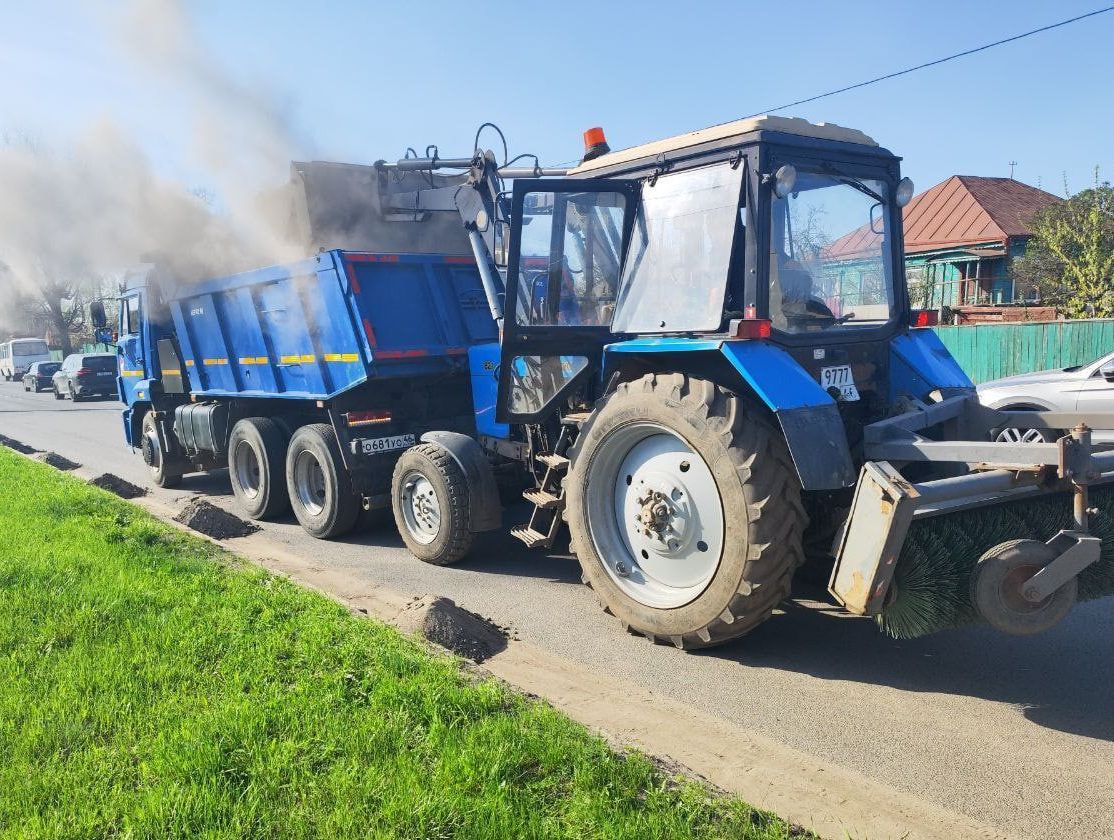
pixel 932 63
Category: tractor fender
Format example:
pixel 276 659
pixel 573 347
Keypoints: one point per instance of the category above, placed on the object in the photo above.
pixel 485 510
pixel 808 416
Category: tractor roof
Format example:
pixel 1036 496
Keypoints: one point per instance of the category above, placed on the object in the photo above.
pixel 726 132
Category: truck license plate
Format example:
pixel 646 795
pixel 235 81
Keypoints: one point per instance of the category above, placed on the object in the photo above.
pixel 373 446
pixel 840 377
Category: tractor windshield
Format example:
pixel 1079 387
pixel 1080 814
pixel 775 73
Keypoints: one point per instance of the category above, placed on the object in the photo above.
pixel 830 255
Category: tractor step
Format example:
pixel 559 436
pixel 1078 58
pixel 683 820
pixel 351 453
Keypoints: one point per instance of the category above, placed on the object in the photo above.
pixel 530 537
pixel 543 499
pixel 576 418
pixel 554 462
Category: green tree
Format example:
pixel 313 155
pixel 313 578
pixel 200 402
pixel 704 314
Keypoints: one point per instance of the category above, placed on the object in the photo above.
pixel 1070 258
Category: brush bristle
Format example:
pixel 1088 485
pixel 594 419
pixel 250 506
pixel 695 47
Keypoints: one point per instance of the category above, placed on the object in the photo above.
pixel 933 573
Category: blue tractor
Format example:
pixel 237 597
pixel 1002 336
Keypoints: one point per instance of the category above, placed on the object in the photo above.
pixel 698 352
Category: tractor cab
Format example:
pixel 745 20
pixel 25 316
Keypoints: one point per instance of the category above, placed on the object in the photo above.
pixel 771 228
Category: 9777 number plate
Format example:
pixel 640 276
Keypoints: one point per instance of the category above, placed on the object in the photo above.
pixel 840 377
pixel 373 446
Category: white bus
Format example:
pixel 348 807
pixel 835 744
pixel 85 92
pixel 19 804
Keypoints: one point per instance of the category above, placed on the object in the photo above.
pixel 19 354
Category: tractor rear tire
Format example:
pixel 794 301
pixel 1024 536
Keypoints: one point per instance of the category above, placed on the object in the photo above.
pixel 429 497
pixel 319 487
pixel 714 496
pixel 164 474
pixel 256 466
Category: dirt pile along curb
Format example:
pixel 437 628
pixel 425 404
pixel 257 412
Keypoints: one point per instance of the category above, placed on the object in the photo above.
pixel 59 462
pixel 22 448
pixel 212 521
pixel 441 621
pixel 115 484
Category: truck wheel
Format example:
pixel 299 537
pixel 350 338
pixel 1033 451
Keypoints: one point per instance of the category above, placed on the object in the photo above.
pixel 685 511
pixel 163 472
pixel 318 485
pixel 429 496
pixel 256 465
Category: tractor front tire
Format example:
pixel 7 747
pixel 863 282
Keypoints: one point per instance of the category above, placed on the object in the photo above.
pixel 685 510
pixel 256 466
pixel 318 484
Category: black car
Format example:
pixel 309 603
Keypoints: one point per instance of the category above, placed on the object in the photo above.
pixel 38 376
pixel 86 375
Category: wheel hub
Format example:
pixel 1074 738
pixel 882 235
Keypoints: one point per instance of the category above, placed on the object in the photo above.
pixel 663 539
pixel 420 508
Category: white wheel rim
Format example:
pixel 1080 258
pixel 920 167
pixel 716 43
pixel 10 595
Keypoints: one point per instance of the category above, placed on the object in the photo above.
pixel 1012 435
pixel 309 483
pixel 246 466
pixel 420 508
pixel 654 515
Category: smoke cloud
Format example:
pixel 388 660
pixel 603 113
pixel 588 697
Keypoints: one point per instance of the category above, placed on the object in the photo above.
pixel 94 205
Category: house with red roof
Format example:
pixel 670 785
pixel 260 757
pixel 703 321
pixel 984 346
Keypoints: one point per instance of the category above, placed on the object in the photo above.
pixel 961 238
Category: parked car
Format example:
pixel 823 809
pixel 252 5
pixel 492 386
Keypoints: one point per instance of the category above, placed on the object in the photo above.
pixel 86 375
pixel 1077 388
pixel 40 376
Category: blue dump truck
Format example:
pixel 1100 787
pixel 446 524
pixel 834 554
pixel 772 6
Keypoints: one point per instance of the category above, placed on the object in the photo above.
pixel 696 353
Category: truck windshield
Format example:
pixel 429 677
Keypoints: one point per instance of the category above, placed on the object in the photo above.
pixel 830 255
pixel 30 347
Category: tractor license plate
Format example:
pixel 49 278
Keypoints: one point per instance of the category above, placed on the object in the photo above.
pixel 373 446
pixel 840 377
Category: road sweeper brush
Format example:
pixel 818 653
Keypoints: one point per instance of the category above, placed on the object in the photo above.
pixel 1014 545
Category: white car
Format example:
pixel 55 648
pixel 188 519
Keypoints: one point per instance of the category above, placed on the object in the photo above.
pixel 1088 387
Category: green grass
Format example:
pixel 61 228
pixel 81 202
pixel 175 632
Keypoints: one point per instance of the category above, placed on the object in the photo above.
pixel 152 686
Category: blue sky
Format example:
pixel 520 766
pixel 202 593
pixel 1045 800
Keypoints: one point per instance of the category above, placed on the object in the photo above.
pixel 363 80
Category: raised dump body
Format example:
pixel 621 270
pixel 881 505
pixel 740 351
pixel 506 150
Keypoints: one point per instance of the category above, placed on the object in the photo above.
pixel 321 327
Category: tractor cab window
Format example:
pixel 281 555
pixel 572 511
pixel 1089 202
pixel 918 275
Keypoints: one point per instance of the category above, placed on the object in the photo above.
pixel 676 271
pixel 830 255
pixel 569 255
pixel 129 313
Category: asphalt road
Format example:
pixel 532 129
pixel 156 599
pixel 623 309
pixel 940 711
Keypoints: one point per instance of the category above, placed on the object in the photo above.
pixel 1015 732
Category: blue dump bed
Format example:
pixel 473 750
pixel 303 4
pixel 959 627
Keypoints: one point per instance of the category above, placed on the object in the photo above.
pixel 317 328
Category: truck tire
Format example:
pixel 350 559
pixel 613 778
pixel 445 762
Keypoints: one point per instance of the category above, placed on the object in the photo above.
pixel 318 485
pixel 163 472
pixel 703 545
pixel 256 466
pixel 429 497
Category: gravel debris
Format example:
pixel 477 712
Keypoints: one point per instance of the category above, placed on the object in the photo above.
pixel 115 484
pixel 213 521
pixel 59 462
pixel 442 622
pixel 17 446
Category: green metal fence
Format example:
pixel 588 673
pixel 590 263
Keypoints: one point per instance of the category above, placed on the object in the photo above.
pixel 990 351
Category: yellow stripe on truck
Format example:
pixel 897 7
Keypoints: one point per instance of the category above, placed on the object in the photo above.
pixel 172 373
pixel 215 362
pixel 341 357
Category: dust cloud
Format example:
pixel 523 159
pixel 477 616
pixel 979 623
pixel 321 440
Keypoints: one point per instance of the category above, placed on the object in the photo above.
pixel 91 205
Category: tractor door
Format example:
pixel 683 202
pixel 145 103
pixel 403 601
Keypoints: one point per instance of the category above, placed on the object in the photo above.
pixel 568 239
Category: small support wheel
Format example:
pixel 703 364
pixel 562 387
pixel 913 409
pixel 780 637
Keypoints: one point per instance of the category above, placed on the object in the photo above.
pixel 256 464
pixel 319 487
pixel 998 583
pixel 429 496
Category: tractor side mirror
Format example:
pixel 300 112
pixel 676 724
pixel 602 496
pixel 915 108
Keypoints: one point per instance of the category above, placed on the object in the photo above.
pixel 1107 371
pixel 97 316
